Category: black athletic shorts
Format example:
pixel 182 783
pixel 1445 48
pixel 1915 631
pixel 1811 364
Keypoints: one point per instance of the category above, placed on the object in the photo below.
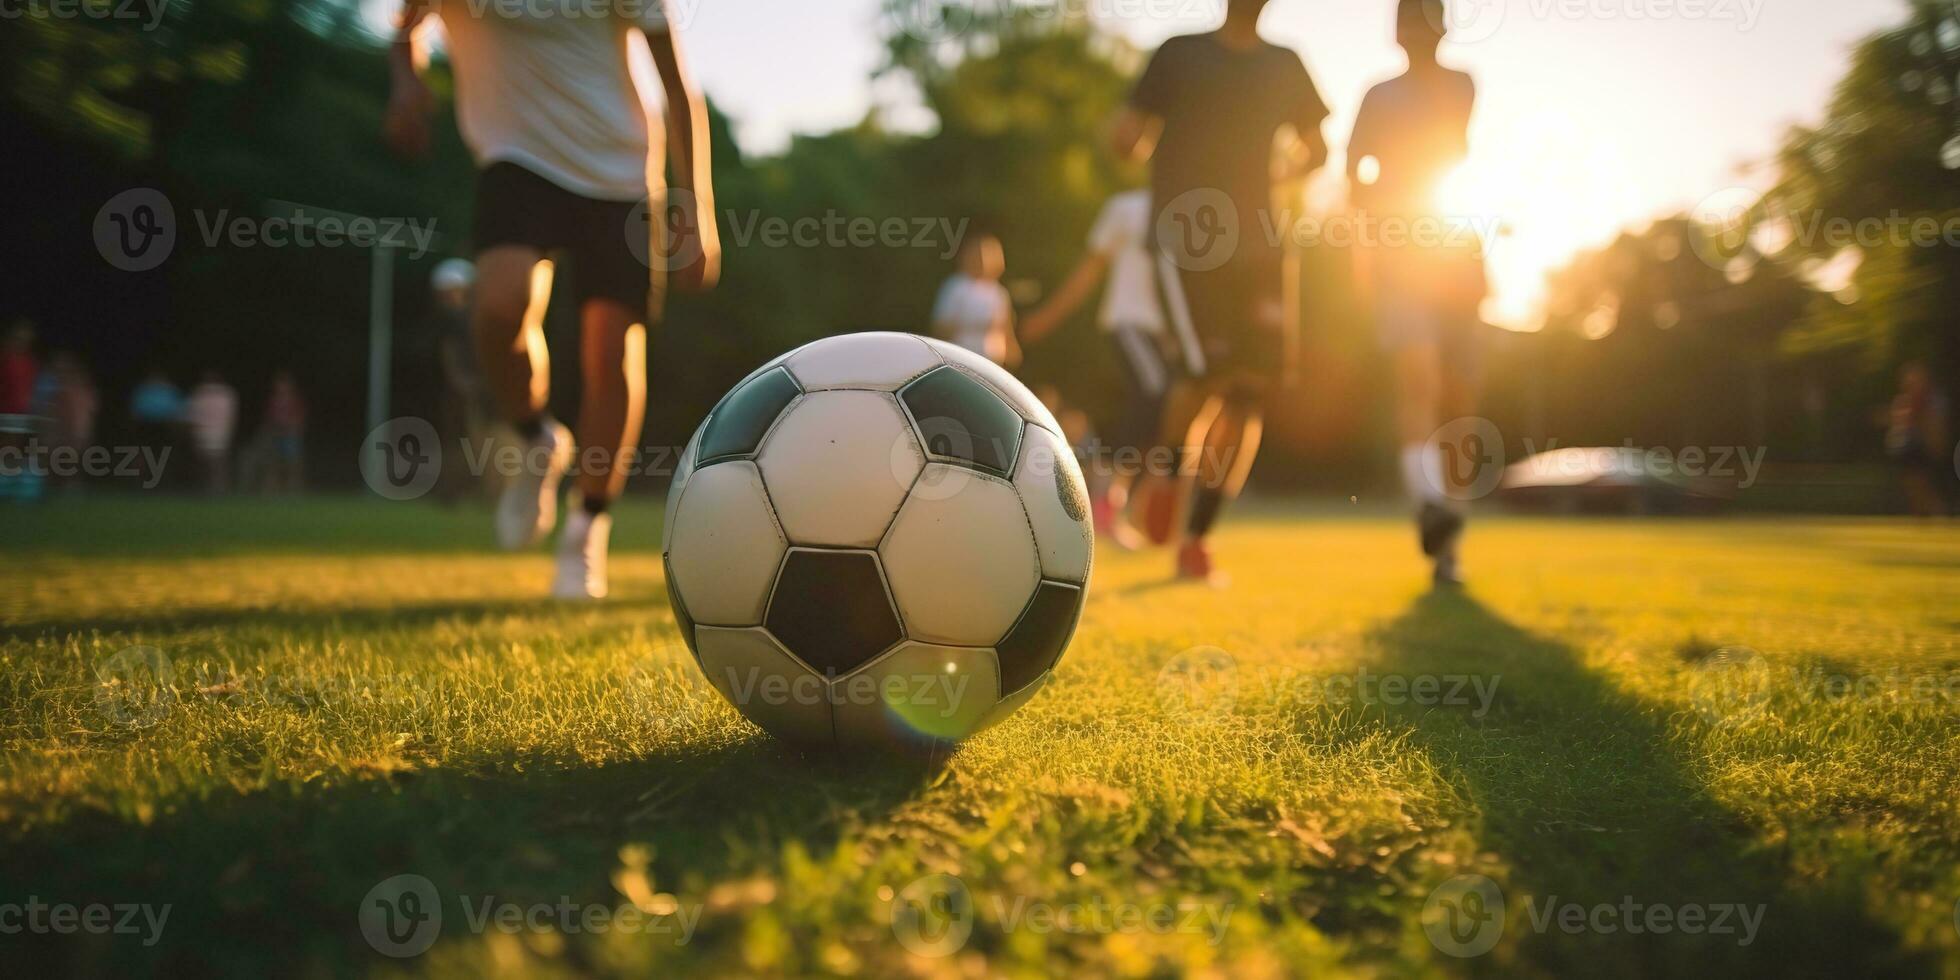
pixel 1229 321
pixel 515 206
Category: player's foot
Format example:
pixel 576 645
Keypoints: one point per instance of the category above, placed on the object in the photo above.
pixel 1158 508
pixel 1437 527
pixel 1194 564
pixel 582 555
pixel 1447 573
pixel 528 509
pixel 1111 527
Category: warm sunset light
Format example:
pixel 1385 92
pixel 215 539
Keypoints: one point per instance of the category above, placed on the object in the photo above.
pixel 971 488
pixel 1537 200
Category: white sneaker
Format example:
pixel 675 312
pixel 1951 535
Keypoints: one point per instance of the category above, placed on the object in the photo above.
pixel 582 556
pixel 528 509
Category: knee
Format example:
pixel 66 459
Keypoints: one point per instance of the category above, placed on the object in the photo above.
pixel 1245 396
pixel 500 310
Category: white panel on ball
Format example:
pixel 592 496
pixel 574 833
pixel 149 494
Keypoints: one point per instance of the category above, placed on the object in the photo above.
pixel 962 566
pixel 884 361
pixel 841 463
pixel 683 469
pixel 765 683
pixel 1050 484
pixel 916 692
pixel 726 545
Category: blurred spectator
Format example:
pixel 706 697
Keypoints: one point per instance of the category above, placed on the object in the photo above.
pixel 283 436
pixel 71 405
pixel 18 370
pixel 974 310
pixel 156 414
pixel 1917 440
pixel 156 406
pixel 466 411
pixel 213 416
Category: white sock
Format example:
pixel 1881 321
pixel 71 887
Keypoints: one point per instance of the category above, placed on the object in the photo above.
pixel 1422 473
pixel 577 526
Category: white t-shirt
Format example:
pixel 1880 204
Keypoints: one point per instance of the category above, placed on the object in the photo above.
pixel 213 414
pixel 966 312
pixel 559 87
pixel 1122 234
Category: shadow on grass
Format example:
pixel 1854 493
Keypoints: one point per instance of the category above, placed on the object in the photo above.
pixel 1583 798
pixel 271 883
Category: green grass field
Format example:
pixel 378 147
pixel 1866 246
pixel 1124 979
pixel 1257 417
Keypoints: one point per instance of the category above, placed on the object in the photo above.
pixel 1268 780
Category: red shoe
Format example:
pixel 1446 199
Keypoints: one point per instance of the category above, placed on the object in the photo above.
pixel 1158 509
pixel 1194 564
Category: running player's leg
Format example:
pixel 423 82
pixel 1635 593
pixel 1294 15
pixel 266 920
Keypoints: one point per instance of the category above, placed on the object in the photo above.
pixel 1137 434
pixel 1418 401
pixel 1240 315
pixel 1459 363
pixel 514 288
pixel 1418 413
pixel 617 301
pixel 1225 458
pixel 520 216
pixel 613 404
pixel 1169 467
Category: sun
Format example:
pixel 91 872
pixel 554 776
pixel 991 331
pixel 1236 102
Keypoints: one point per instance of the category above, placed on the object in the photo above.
pixel 1535 203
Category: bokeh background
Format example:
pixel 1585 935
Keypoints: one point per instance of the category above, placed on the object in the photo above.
pixel 1658 292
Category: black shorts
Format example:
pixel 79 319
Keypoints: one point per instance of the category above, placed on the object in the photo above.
pixel 1147 375
pixel 515 206
pixel 1230 321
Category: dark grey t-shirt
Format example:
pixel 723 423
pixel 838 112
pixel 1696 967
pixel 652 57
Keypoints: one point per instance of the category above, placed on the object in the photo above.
pixel 1222 109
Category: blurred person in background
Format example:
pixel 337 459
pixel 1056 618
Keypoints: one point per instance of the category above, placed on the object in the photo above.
pixel 1917 440
pixel 1409 134
pixel 973 309
pixel 212 414
pixel 72 407
pixel 466 410
pixel 569 164
pixel 1132 320
pixel 1215 113
pixel 282 437
pixel 19 371
pixel 156 413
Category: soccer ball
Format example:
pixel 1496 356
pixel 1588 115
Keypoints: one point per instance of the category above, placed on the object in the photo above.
pixel 876 540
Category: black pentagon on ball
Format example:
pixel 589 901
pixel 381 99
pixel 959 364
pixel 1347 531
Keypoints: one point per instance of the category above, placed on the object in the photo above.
pixel 736 427
pixel 961 420
pixel 832 610
pixel 1036 642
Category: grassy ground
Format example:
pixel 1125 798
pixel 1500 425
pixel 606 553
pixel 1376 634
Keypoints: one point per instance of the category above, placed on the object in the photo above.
pixel 1710 721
